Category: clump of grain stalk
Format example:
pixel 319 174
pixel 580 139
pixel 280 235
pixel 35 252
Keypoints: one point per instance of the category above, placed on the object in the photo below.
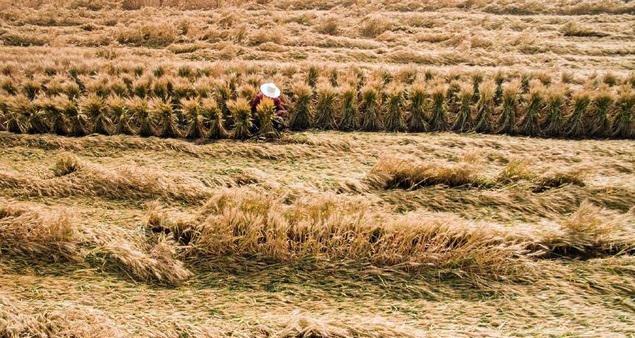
pixel 93 107
pixel 211 111
pixel 600 125
pixel 507 120
pixel 266 111
pixel 223 94
pixel 463 121
pixel 167 119
pixel 241 223
pixel 438 122
pixel 156 264
pixel 138 107
pixel 485 107
pixel 34 119
pixel 350 111
pixel 530 122
pixel 394 118
pixel 371 117
pixel 53 108
pixel 623 125
pixel 243 121
pixel 589 232
pixel 302 113
pixel 116 107
pixel 192 109
pixel 79 122
pixel 391 173
pixel 418 121
pixel 325 115
pixel 555 104
pixel 312 76
pixel 575 125
pixel 16 119
pixel 38 233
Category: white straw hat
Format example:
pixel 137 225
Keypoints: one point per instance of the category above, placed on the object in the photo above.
pixel 270 90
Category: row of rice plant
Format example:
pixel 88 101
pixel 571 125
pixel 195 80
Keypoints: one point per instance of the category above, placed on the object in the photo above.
pixel 169 106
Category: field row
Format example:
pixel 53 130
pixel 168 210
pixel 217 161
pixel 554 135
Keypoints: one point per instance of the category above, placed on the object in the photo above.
pixel 177 106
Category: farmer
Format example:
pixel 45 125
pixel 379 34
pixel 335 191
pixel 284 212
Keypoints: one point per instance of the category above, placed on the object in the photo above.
pixel 271 91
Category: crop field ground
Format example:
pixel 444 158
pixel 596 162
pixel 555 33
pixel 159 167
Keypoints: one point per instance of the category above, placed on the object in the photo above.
pixel 455 169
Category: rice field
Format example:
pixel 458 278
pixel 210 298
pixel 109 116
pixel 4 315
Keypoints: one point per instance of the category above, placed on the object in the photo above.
pixel 451 168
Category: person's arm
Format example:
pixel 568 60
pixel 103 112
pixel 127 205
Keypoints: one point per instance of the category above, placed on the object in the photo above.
pixel 254 103
pixel 280 109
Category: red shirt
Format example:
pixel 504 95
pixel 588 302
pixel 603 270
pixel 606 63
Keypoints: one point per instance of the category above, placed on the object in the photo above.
pixel 280 110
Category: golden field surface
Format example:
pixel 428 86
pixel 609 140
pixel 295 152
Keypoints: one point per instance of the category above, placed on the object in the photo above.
pixel 318 233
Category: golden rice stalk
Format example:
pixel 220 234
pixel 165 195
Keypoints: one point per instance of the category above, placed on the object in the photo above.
pixel 350 110
pixel 211 112
pixel 79 124
pixel 370 108
pixel 391 173
pixel 157 265
pixel 602 101
pixel 623 124
pixel 255 224
pixel 7 84
pixel 575 127
pixel 529 125
pixel 247 91
pixel 477 79
pixel 192 109
pixel 243 121
pixel 590 232
pixel 37 119
pixel 312 76
pixel 302 113
pixel 116 106
pixel 142 87
pixel 163 87
pixel 507 120
pixel 140 112
pixel 485 107
pixel 394 119
pixel 119 87
pixel 325 114
pixel 555 106
pixel 31 88
pixel 203 87
pixel 266 111
pixel 438 122
pixel 72 90
pixel 223 94
pixel 17 319
pixel 499 78
pixel 55 114
pixel 463 121
pixel 418 96
pixel 182 88
pixel 98 86
pixel 167 119
pixel 37 233
pixel 93 106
